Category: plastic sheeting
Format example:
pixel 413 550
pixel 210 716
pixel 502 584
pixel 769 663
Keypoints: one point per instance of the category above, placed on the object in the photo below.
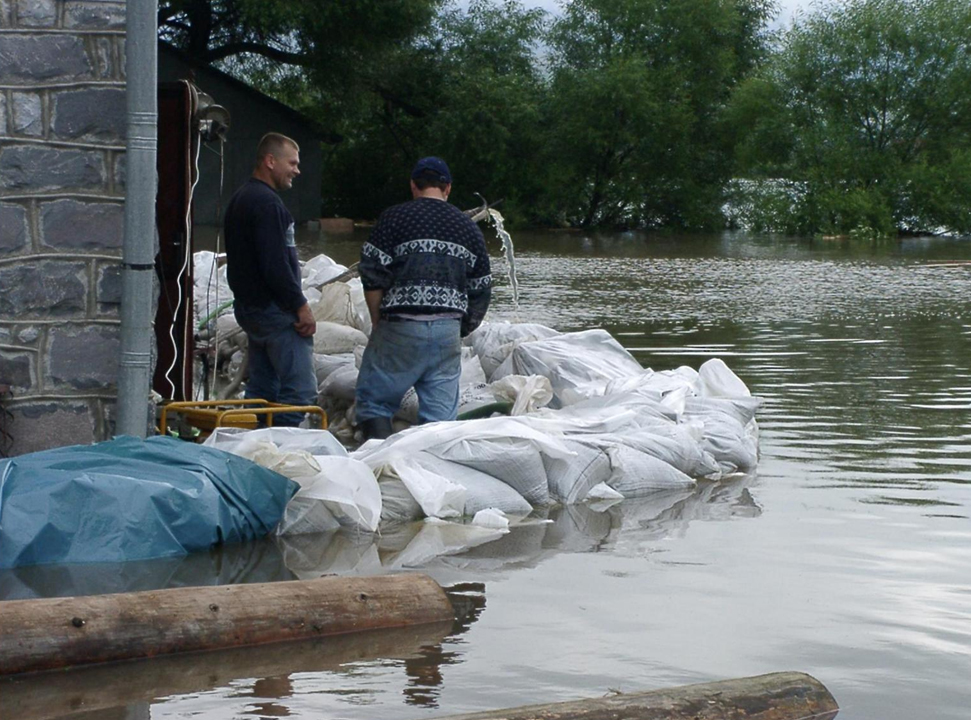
pixel 131 499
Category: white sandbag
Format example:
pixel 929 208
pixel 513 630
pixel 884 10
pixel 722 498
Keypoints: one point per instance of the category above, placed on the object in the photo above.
pixel 743 409
pixel 334 305
pixel 674 444
pixel 289 463
pixel 346 488
pixel 481 490
pixel 575 360
pixel 313 441
pixel 318 270
pixel 493 342
pixel 332 338
pixel 324 365
pixel 635 474
pixel 472 372
pixel 210 287
pixel 728 441
pixel 340 385
pixel 305 516
pixel 437 495
pixel 603 491
pixel 527 394
pixel 473 397
pixel 491 518
pixel 514 461
pixel 570 479
pixel 715 379
pixel 408 409
pixel 397 502
pixel 362 316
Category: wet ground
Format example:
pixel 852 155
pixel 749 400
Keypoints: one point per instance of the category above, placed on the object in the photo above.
pixel 846 556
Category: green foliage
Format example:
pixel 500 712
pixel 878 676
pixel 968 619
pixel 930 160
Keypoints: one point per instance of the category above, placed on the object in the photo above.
pixel 867 104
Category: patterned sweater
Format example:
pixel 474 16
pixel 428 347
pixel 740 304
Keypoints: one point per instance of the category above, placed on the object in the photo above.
pixel 429 258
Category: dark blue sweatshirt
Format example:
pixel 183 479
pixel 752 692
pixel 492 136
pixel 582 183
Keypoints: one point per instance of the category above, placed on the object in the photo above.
pixel 263 266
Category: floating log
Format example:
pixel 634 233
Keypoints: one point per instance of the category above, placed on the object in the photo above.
pixel 63 632
pixel 98 688
pixel 777 696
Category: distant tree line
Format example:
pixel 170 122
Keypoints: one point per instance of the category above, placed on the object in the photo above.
pixel 682 114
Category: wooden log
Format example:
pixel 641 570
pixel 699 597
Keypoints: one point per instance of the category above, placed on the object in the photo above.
pixel 63 632
pixel 49 695
pixel 777 696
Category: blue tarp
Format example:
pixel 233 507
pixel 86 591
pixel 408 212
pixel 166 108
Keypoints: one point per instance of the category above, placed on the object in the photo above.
pixel 131 499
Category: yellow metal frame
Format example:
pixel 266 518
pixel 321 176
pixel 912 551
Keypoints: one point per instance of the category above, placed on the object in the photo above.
pixel 207 415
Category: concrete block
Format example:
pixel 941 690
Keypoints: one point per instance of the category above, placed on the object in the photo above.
pixel 14 227
pixel 48 425
pixel 36 13
pixel 336 226
pixel 43 288
pixel 68 224
pixel 109 286
pixel 83 358
pixel 15 370
pixel 94 114
pixel 38 168
pixel 28 335
pixel 94 15
pixel 28 114
pixel 43 58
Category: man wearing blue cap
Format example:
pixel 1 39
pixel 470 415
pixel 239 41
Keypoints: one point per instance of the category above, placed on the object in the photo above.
pixel 427 284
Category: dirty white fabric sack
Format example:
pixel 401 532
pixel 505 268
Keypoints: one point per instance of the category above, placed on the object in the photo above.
pixel 675 445
pixel 526 393
pixel 397 502
pixel 715 379
pixel 635 474
pixel 332 338
pixel 575 361
pixel 493 342
pixel 472 372
pixel 340 385
pixel 318 270
pixel 516 462
pixel 315 442
pixel 324 365
pixel 481 490
pixel 361 313
pixel 334 305
pixel 571 479
pixel 210 286
pixel 436 494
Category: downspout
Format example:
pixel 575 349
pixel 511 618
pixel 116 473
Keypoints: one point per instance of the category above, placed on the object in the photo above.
pixel 138 251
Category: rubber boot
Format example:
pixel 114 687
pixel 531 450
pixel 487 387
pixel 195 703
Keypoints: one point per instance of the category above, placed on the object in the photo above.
pixel 379 427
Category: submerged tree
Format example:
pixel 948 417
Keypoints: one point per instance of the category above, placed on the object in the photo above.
pixel 638 93
pixel 866 109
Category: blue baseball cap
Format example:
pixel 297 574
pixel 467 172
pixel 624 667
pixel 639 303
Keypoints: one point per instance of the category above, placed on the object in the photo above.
pixel 433 168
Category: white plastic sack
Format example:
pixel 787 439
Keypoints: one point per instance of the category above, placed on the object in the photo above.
pixel 210 286
pixel 516 462
pixel 346 488
pixel 318 270
pixel 324 365
pixel 571 479
pixel 635 474
pixel 436 494
pixel 315 442
pixel 526 393
pixel 340 385
pixel 481 489
pixel 334 305
pixel 574 361
pixel 493 342
pixel 715 379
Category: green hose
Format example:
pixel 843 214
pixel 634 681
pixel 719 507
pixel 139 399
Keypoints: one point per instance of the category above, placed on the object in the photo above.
pixel 214 313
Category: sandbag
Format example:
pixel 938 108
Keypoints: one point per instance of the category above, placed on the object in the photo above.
pixel 334 305
pixel 332 338
pixel 318 270
pixel 516 462
pixel 344 490
pixel 481 489
pixel 570 479
pixel 340 385
pixel 324 365
pixel 493 342
pixel 314 442
pixel 130 499
pixel 636 474
pixel 715 379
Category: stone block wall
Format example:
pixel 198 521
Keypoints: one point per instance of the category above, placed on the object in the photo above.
pixel 62 143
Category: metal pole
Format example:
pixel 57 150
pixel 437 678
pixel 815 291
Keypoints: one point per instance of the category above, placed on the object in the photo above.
pixel 138 252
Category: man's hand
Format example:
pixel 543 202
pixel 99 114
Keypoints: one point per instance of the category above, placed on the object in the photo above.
pixel 305 326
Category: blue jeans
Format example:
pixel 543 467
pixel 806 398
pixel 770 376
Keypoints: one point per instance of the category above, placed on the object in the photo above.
pixel 281 362
pixel 426 355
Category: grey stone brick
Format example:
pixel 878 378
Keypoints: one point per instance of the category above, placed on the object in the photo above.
pixel 43 426
pixel 119 172
pixel 14 230
pixel 94 15
pixel 38 168
pixel 4 132
pixel 39 58
pixel 109 285
pixel 105 59
pixel 15 370
pixel 43 288
pixel 29 335
pixel 84 358
pixel 28 114
pixel 69 224
pixel 97 114
pixel 36 13
pixel 5 6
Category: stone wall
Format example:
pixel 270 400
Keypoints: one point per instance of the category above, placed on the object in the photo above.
pixel 62 174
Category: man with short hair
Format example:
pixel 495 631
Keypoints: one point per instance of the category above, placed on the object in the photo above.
pixel 264 275
pixel 427 284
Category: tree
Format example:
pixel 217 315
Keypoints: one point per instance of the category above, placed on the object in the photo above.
pixel 867 107
pixel 638 92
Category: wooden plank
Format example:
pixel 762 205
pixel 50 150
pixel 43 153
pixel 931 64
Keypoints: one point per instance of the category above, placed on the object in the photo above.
pixel 777 696
pixel 53 633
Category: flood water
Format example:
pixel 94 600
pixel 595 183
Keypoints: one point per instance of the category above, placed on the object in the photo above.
pixel 848 555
